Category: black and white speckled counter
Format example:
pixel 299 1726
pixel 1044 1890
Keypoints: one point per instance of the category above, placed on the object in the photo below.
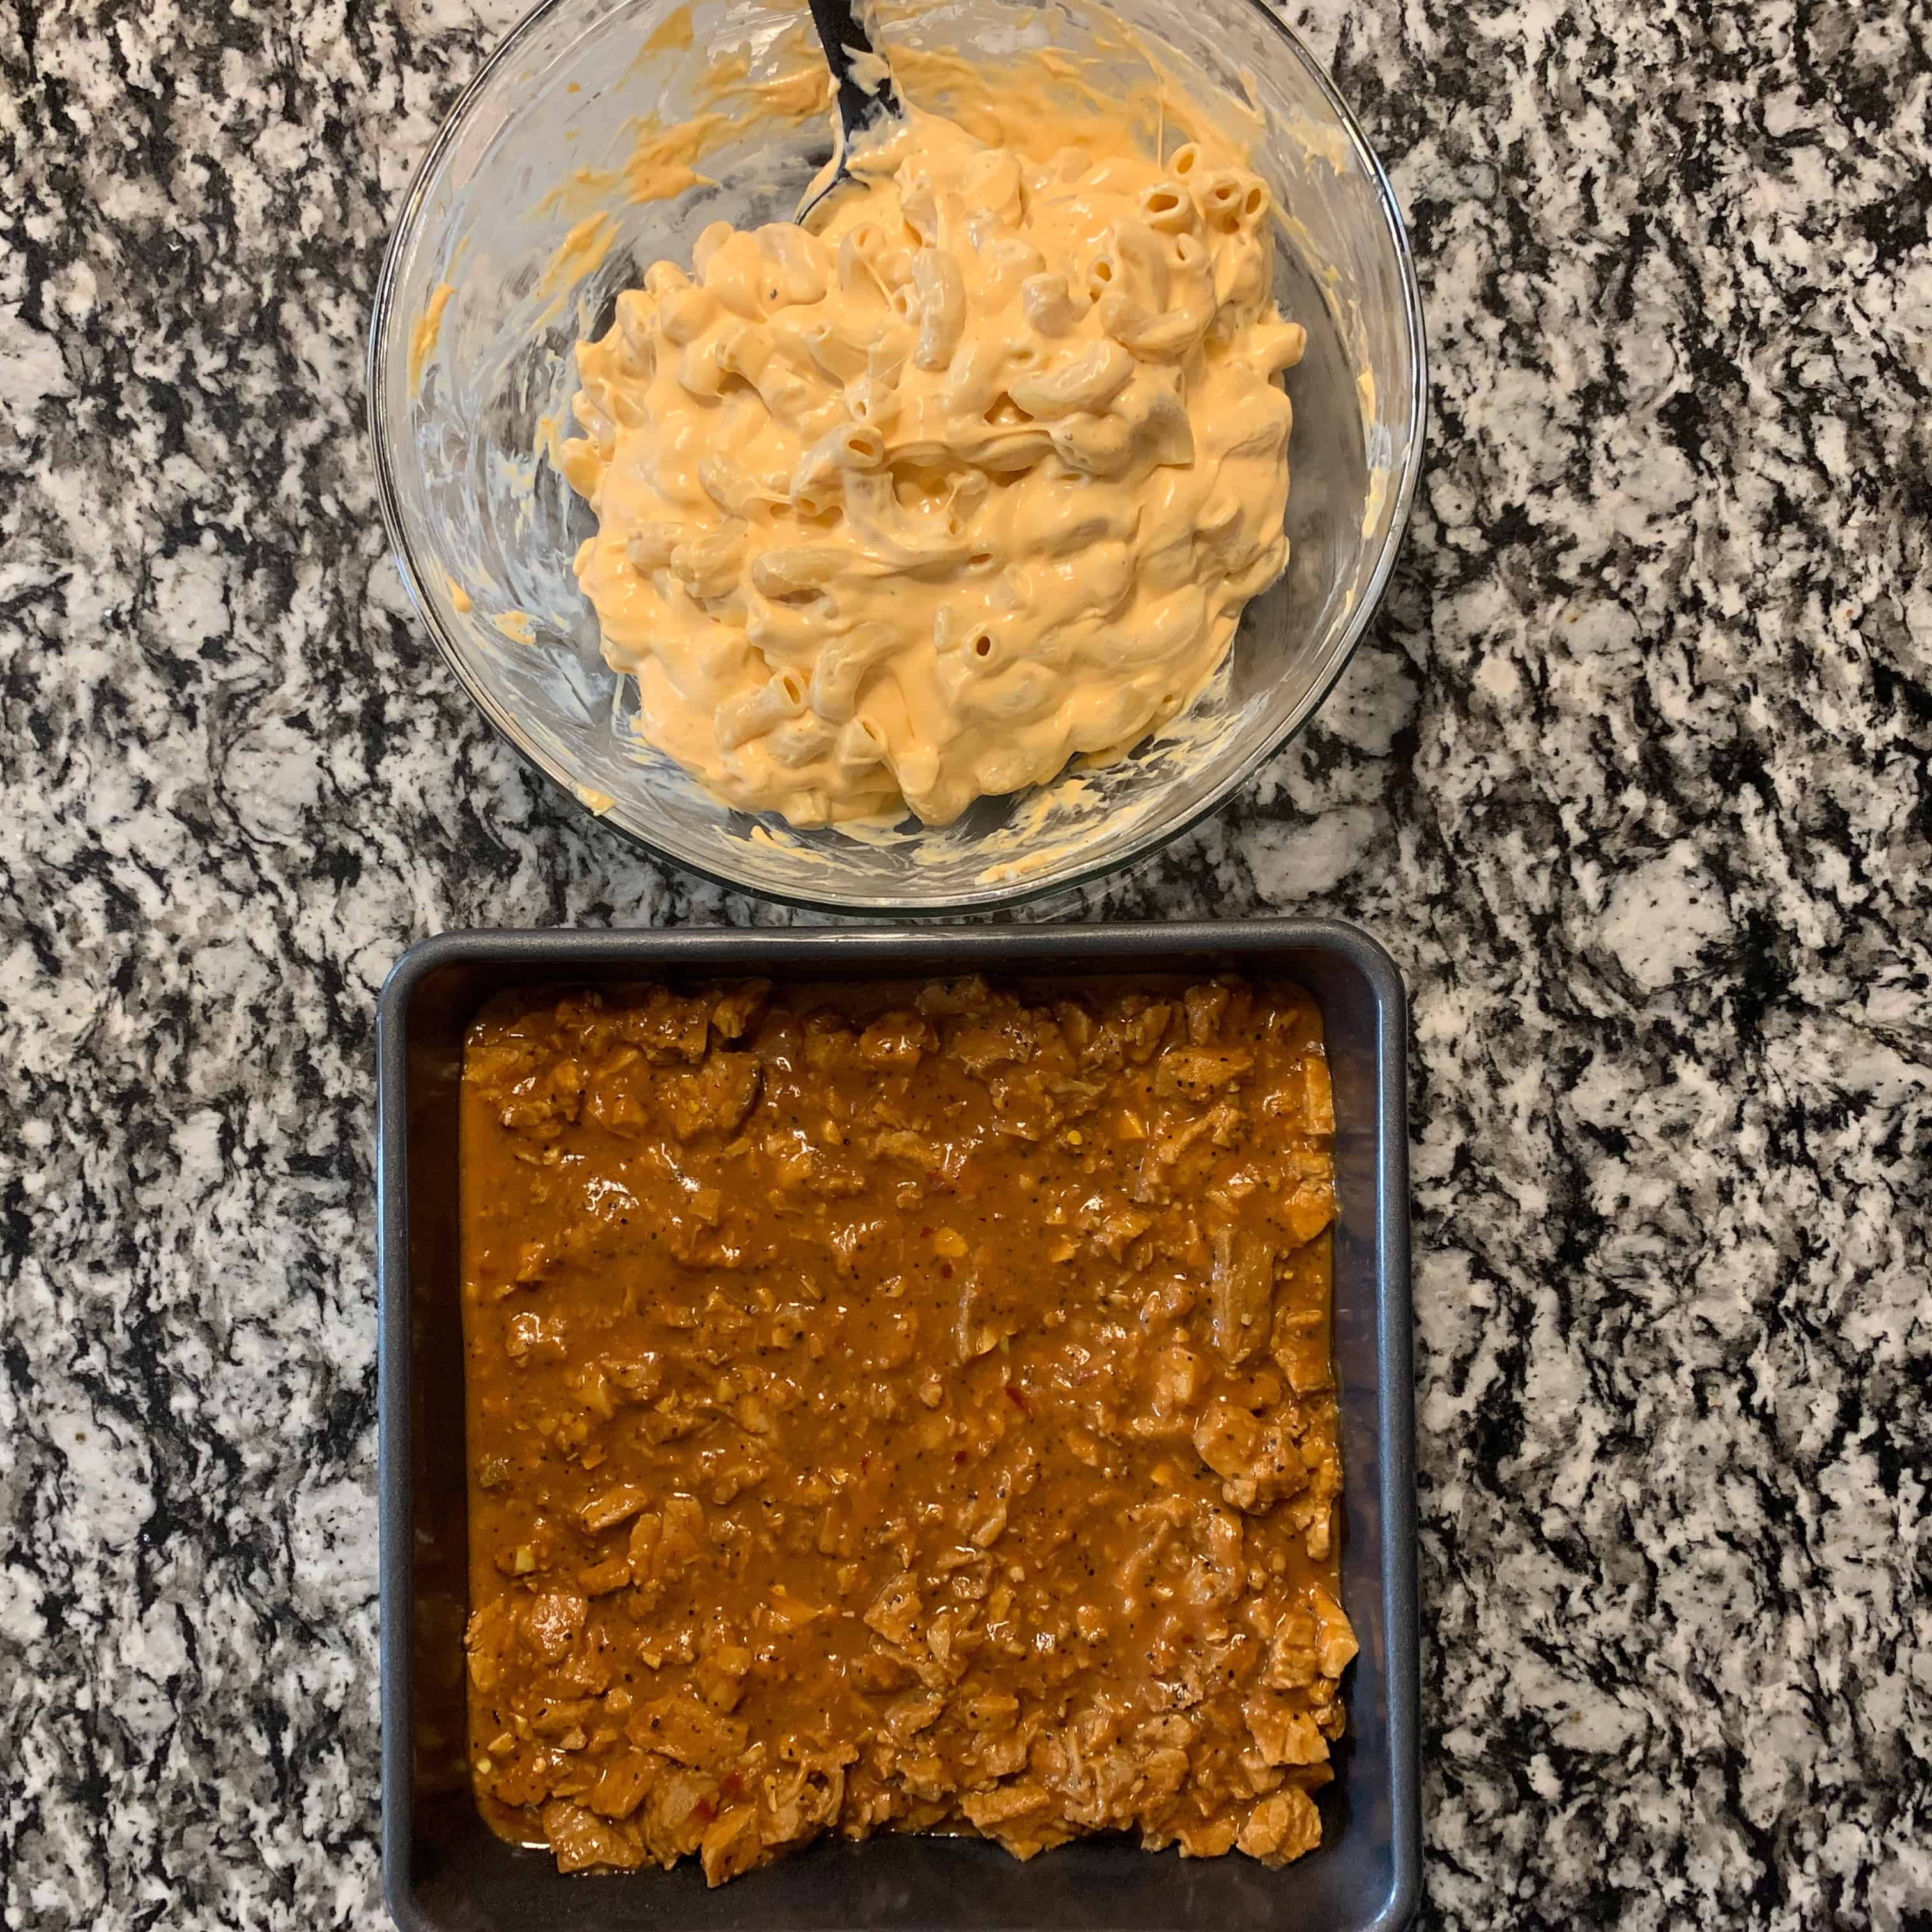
pixel 1632 778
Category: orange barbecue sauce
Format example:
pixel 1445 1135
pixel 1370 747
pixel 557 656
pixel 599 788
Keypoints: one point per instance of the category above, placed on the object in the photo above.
pixel 900 1407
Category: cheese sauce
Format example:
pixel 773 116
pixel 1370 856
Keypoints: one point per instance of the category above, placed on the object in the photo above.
pixel 974 480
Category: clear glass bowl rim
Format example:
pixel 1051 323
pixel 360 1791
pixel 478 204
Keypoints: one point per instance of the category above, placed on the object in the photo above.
pixel 384 319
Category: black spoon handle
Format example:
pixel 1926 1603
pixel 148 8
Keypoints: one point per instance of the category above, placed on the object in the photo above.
pixel 839 29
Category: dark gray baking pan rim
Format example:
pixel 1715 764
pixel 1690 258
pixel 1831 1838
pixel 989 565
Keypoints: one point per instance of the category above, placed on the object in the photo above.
pixel 873 952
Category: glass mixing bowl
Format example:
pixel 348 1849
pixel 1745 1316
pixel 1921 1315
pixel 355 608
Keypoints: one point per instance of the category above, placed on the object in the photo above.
pixel 513 245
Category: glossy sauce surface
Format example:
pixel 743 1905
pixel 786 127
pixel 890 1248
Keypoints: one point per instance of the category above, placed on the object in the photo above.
pixel 900 1407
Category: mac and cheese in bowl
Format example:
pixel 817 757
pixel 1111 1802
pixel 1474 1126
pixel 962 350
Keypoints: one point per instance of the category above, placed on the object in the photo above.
pixel 973 481
pixel 1017 576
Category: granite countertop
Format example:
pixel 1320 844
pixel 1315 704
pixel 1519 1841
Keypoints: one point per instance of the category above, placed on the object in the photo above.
pixel 1631 778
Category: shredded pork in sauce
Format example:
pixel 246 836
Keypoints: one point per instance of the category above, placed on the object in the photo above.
pixel 900 1407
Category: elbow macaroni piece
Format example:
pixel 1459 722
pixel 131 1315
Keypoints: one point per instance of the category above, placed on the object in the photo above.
pixel 975 481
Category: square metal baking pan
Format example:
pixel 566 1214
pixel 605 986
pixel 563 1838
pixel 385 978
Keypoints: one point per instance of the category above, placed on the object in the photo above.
pixel 444 1869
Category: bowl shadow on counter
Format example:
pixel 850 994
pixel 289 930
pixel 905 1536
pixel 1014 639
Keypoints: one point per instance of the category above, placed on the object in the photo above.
pixel 444 1868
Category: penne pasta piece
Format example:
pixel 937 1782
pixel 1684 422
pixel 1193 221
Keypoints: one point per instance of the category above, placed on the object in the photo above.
pixel 1160 420
pixel 940 293
pixel 1049 307
pixel 711 566
pixel 697 372
pixel 650 545
pixel 1008 261
pixel 1165 337
pixel 975 381
pixel 860 746
pixel 713 236
pixel 842 668
pixel 920 210
pixel 743 349
pixel 637 324
pixel 837 352
pixel 990 185
pixel 740 719
pixel 686 313
pixel 857 264
pixel 599 428
pixel 872 403
pixel 1142 255
pixel 1223 195
pixel 1238 283
pixel 798 265
pixel 796 741
pixel 798 568
pixel 817 481
pixel 1096 445
pixel 727 486
pixel 1269 347
pixel 1014 697
pixel 1090 381
pixel 1168 208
